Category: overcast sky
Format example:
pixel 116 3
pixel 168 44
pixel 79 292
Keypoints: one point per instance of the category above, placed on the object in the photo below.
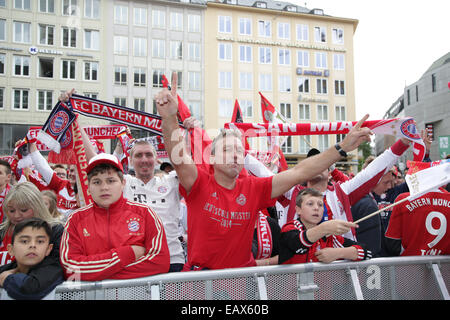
pixel 395 42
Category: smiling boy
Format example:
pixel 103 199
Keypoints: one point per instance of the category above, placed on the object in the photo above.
pixel 113 238
pixel 34 273
pixel 308 240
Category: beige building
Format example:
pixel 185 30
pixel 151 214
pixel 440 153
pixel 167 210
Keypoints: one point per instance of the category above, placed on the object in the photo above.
pixel 299 59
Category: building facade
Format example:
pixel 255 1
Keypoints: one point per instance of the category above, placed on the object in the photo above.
pixel 428 101
pixel 115 51
pixel 301 60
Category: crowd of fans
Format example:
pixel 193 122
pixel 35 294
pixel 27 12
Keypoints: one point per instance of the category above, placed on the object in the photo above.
pixel 183 216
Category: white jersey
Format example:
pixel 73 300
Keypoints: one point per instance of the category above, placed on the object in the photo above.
pixel 162 195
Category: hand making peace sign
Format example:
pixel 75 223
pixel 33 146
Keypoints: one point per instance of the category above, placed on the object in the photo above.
pixel 166 100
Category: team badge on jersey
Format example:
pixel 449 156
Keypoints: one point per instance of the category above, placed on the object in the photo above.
pixel 241 200
pixel 59 122
pixel 162 189
pixel 133 224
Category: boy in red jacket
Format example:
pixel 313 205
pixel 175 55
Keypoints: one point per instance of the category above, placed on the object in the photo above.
pixel 308 240
pixel 113 238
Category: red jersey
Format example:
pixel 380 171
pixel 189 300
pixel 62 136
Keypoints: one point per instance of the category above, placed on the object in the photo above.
pixel 5 258
pixel 422 224
pixel 221 222
pixel 96 243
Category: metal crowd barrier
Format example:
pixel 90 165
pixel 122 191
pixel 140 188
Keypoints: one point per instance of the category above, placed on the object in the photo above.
pixel 396 278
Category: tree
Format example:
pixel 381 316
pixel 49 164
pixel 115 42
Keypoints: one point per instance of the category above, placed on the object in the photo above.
pixel 366 150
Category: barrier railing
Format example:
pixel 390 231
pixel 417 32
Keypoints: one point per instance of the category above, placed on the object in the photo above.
pixel 399 278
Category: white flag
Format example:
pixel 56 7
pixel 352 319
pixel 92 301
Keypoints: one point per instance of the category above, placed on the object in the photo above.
pixel 428 180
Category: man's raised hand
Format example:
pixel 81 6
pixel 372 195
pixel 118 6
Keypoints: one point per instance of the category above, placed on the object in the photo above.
pixel 356 136
pixel 167 100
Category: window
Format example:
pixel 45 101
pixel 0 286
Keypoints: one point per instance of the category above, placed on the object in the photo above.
pixel 322 112
pixel 194 80
pixel 139 104
pixel 284 56
pixel 225 108
pixel 408 97
pixel 47 6
pixel 69 37
pixel 323 142
pixel 286 147
pixel 140 16
pixel 176 21
pixel 157 78
pixel 120 75
pixel 45 100
pixel 340 113
pixel 22 32
pixel 2 63
pixel 120 101
pixel 194 107
pixel 120 14
pixel 337 35
pixel 302 32
pixel 265 82
pixel 320 34
pixel 91 70
pixel 68 69
pixel 433 82
pixel 305 144
pixel 194 51
pixel 247 108
pixel 304 112
pixel 46 67
pixel 91 39
pixel 321 60
pixel 285 110
pixel 194 23
pixel 303 84
pixel 302 58
pixel 284 30
pixel 224 24
pixel 264 28
pixel 265 55
pixel 93 95
pixel 176 50
pixel 338 61
pixel 225 51
pixel 2 98
pixel 3 3
pixel 2 29
pixel 417 93
pixel 92 9
pixel 139 77
pixel 158 48
pixel 285 83
pixel 69 7
pixel 46 33
pixel 322 86
pixel 120 45
pixel 225 80
pixel 20 99
pixel 245 26
pixel 339 87
pixel 21 66
pixel 140 47
pixel 180 78
pixel 158 19
pixel 245 81
pixel 245 53
pixel 340 137
pixel 22 4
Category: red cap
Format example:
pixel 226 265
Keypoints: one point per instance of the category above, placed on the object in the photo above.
pixel 104 158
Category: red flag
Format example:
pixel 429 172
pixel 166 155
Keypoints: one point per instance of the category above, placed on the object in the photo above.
pixel 183 110
pixel 237 117
pixel 271 115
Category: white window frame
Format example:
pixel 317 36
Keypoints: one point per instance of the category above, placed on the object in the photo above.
pixel 338 61
pixel 225 80
pixel 224 24
pixel 321 86
pixel 303 58
pixel 245 81
pixel 320 34
pixel 322 112
pixel 24 5
pixel 120 14
pixel 21 97
pixel 23 61
pixel 265 82
pixel 121 45
pixel 304 111
pixel 46 9
pixel 140 16
pixel 194 23
pixel 194 80
pixel 93 66
pixel 304 146
pixel 123 75
pixel 303 85
pixel 94 39
pixel 339 87
pixel 323 142
pixel 69 64
pixel 245 26
pixel 284 30
pixel 94 9
pixel 49 29
pixel 194 51
pixel 263 55
pixel 302 32
pixel 284 83
pixel 70 33
pixel 337 35
pixel 321 60
pixel 158 48
pixel 341 113
pixel 286 147
pixel 225 108
pixel 158 18
pixel 264 28
pixel 25 27
pixel 284 57
pixel 247 108
pixel 140 47
pixel 286 110
pixel 39 67
pixel 2 63
pixel 71 5
pixel 48 105
pixel 225 51
pixel 176 50
pixel 245 53
pixel 176 21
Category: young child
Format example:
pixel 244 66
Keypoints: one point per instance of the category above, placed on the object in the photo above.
pixel 113 238
pixel 308 240
pixel 34 273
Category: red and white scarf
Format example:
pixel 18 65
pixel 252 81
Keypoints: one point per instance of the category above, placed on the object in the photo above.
pixel 401 127
pixel 264 235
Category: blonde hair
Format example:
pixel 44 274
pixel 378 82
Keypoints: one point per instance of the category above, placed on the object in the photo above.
pixel 53 203
pixel 26 195
pixel 222 135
